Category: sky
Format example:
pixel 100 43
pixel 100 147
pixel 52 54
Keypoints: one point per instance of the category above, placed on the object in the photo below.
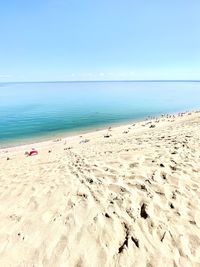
pixel 65 40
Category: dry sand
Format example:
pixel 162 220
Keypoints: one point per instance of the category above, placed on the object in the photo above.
pixel 131 199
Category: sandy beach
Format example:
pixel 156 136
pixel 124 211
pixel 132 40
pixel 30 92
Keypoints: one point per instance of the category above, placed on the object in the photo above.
pixel 124 196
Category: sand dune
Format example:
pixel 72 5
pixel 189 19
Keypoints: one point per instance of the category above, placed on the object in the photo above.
pixel 129 199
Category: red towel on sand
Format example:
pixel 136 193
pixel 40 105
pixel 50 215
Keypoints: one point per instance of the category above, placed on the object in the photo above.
pixel 33 152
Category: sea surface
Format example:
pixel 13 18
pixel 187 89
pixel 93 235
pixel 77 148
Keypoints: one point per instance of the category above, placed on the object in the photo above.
pixel 39 111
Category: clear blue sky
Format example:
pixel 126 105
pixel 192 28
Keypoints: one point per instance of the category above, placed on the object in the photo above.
pixel 99 40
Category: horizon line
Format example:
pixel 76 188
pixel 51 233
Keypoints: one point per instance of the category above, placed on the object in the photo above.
pixel 90 81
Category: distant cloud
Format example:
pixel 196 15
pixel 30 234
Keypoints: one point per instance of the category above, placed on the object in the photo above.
pixel 101 74
pixel 5 76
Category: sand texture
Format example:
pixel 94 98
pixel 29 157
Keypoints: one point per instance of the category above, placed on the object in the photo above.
pixel 131 198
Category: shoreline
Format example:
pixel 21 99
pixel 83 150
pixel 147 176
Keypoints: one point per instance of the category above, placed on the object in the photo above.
pixel 74 135
pixel 130 192
pixel 65 135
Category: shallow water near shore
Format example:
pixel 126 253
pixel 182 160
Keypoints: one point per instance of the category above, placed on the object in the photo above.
pixel 29 111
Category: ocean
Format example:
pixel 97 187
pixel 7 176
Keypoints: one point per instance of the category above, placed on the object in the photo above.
pixel 37 111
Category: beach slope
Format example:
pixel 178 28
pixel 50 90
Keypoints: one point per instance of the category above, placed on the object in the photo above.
pixel 127 196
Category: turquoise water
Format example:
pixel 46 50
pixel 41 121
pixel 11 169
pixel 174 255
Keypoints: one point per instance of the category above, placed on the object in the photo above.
pixel 30 111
